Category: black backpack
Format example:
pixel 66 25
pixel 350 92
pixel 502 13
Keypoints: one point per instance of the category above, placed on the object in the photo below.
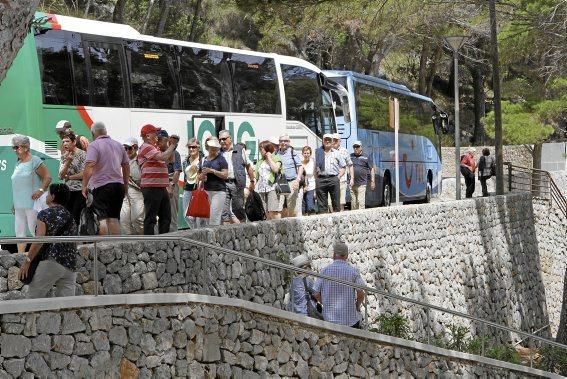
pixel 88 222
pixel 254 207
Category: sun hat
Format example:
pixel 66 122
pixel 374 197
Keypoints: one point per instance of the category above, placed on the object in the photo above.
pixel 131 141
pixel 328 135
pixel 357 143
pixel 62 125
pixel 274 140
pixel 149 128
pixel 301 260
pixel 213 143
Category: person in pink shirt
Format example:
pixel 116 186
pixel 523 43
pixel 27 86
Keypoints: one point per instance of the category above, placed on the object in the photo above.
pixel 107 171
pixel 468 167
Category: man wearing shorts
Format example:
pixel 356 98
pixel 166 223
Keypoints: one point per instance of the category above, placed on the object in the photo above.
pixel 107 171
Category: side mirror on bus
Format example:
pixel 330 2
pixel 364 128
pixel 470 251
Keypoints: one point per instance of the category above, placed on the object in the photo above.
pixel 441 123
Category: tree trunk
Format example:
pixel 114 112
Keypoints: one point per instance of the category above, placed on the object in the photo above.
pixel 562 331
pixel 164 14
pixel 118 14
pixel 193 29
pixel 422 82
pixel 148 15
pixel 87 8
pixel 433 69
pixel 15 19
pixel 479 99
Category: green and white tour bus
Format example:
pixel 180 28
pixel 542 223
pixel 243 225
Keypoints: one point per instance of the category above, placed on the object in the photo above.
pixel 83 71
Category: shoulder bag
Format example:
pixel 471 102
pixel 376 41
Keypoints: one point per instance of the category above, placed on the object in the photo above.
pixel 314 308
pixel 199 205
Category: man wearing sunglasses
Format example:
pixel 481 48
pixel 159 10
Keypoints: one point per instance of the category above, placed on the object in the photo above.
pixel 238 168
pixel 329 168
pixel 349 171
pixel 363 169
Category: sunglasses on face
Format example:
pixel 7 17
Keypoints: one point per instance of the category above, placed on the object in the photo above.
pixel 356 146
pixel 327 140
pixel 284 140
pixel 128 148
pixel 15 147
pixel 193 147
pixel 223 139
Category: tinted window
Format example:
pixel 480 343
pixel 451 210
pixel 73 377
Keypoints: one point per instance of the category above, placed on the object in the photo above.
pixel 254 84
pixel 62 68
pixel 106 75
pixel 152 76
pixel 200 72
pixel 372 107
pixel 303 96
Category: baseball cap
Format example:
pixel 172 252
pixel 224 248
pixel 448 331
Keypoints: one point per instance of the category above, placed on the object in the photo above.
pixel 336 136
pixel 357 143
pixel 162 134
pixel 301 260
pixel 130 141
pixel 62 125
pixel 149 128
pixel 327 136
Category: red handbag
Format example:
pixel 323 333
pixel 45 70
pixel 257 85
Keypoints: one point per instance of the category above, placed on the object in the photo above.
pixel 199 206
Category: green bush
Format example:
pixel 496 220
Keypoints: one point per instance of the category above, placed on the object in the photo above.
pixel 553 359
pixel 396 325
pixel 504 353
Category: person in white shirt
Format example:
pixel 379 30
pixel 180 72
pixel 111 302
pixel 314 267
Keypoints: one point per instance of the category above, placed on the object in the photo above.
pixel 308 181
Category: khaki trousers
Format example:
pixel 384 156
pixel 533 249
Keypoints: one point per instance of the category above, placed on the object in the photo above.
pixel 358 197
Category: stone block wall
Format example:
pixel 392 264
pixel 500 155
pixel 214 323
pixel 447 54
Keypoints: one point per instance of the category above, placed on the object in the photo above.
pixel 479 257
pixel 189 339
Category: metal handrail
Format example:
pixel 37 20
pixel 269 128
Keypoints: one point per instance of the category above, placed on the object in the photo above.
pixel 549 188
pixel 281 265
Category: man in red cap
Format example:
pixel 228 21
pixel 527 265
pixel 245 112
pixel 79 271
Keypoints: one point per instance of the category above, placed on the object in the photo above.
pixel 155 180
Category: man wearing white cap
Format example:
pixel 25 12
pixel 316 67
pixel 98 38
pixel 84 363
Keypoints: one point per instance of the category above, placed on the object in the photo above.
pixel 363 168
pixel 340 302
pixel 293 170
pixel 132 213
pixel 63 127
pixel 468 167
pixel 301 286
pixel 343 180
pixel 329 168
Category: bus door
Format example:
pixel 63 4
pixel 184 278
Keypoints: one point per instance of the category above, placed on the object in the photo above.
pixel 204 126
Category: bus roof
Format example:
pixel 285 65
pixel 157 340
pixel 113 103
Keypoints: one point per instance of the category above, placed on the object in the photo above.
pixel 109 29
pixel 377 82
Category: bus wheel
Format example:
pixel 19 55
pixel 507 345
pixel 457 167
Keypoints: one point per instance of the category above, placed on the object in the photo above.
pixel 386 193
pixel 427 193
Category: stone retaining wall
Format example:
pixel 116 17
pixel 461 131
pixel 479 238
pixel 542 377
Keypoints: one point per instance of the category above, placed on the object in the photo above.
pixel 186 338
pixel 479 257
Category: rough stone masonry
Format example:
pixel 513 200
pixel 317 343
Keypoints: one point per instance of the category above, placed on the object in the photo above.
pixel 500 258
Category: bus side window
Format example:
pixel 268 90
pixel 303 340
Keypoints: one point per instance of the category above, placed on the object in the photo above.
pixel 106 75
pixel 255 84
pixel 152 76
pixel 55 69
pixel 200 75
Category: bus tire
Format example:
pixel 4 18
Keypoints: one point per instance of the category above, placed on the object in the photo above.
pixel 386 192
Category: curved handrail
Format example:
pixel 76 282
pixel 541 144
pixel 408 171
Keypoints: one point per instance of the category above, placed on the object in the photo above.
pixel 281 265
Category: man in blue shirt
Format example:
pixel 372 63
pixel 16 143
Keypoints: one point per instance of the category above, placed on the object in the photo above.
pixel 341 303
pixel 363 168
pixel 293 170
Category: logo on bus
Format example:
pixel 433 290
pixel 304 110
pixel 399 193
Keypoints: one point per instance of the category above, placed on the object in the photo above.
pixel 244 133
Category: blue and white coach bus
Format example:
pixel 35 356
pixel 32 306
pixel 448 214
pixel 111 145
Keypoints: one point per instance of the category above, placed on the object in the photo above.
pixel 370 102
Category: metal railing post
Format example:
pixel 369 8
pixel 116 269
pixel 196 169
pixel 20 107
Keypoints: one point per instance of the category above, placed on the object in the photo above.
pixel 95 274
pixel 366 310
pixel 509 176
pixel 482 326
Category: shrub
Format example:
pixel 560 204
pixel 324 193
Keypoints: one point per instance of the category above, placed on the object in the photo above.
pixel 553 359
pixel 504 353
pixel 396 325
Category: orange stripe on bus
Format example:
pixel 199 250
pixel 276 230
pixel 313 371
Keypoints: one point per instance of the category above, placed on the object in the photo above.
pixel 85 116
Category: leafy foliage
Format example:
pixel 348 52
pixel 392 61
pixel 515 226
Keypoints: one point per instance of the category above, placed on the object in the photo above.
pixel 553 359
pixel 396 325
